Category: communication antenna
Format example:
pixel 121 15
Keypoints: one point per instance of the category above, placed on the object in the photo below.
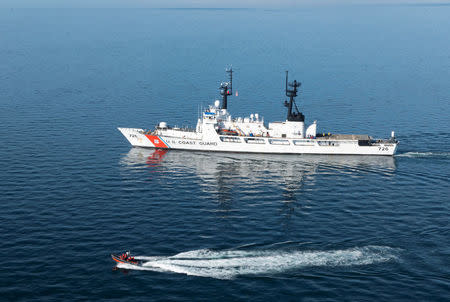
pixel 230 74
pixel 291 92
pixel 226 88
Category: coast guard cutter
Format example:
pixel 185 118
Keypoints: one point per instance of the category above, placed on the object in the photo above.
pixel 217 130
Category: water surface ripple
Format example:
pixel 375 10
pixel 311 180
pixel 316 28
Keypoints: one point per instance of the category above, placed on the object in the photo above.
pixel 218 226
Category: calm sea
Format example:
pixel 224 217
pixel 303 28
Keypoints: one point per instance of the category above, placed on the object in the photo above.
pixel 214 226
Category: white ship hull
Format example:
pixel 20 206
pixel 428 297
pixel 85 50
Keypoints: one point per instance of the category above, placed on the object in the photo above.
pixel 188 140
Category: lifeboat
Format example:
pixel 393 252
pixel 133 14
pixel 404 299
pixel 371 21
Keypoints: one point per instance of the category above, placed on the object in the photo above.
pixel 228 132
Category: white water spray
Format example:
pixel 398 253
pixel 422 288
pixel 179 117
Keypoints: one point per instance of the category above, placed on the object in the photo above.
pixel 230 264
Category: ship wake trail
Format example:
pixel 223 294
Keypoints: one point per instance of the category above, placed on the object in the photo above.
pixel 230 264
pixel 444 155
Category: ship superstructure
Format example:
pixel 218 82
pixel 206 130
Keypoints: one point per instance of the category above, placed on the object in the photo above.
pixel 217 130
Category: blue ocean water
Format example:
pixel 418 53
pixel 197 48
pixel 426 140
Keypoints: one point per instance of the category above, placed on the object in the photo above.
pixel 217 226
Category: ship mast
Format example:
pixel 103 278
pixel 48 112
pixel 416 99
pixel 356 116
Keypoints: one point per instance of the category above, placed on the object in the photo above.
pixel 293 114
pixel 226 89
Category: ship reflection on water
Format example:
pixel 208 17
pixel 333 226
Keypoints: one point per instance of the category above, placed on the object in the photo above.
pixel 221 173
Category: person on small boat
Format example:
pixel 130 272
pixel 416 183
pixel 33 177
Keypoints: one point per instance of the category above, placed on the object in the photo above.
pixel 128 257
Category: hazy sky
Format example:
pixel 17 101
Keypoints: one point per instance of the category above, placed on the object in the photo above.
pixel 198 3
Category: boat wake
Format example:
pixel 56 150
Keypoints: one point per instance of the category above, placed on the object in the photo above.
pixel 424 154
pixel 232 263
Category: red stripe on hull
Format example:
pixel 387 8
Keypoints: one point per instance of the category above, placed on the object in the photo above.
pixel 156 141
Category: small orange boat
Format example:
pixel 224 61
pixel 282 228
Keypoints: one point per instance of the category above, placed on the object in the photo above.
pixel 125 259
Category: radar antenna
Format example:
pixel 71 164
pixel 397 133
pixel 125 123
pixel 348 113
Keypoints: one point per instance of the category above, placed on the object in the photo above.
pixel 226 88
pixel 293 113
